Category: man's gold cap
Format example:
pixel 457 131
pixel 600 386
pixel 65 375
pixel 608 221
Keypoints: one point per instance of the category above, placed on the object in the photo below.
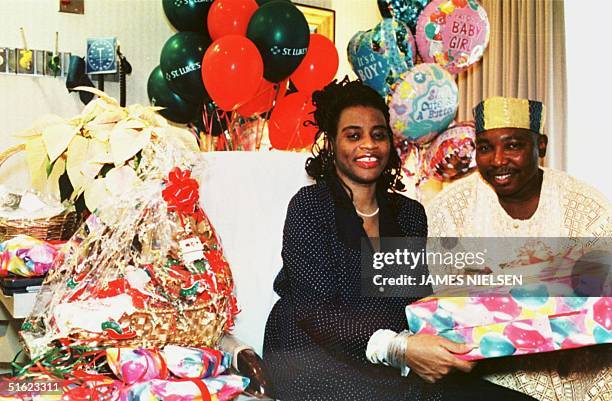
pixel 508 112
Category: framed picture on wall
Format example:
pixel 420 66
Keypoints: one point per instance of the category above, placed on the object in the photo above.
pixel 320 20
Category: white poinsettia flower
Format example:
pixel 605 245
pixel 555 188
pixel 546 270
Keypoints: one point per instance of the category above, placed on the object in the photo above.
pixel 103 134
pixel 57 138
pixel 125 143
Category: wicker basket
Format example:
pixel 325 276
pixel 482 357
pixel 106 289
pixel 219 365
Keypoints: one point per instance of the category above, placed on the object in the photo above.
pixel 60 227
pixel 205 326
pixel 199 325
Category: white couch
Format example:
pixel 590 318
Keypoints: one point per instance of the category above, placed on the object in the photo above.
pixel 245 195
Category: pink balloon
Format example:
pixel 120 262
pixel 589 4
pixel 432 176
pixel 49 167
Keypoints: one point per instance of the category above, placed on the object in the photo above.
pixel 453 33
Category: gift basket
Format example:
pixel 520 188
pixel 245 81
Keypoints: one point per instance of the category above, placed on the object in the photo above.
pixel 30 213
pixel 146 269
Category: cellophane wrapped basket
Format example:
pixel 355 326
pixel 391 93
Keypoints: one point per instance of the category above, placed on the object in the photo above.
pixel 55 228
pixel 145 269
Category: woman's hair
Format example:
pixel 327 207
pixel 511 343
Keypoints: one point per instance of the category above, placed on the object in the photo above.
pixel 329 104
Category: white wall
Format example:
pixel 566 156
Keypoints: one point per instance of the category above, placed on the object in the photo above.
pixel 589 139
pixel 140 26
pixel 352 16
pixel 142 29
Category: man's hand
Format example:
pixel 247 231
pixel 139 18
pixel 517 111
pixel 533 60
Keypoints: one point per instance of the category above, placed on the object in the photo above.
pixel 433 357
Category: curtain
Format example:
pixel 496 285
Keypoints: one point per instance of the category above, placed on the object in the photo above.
pixel 525 58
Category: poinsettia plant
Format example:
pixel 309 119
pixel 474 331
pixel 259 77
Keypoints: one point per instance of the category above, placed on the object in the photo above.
pixel 95 154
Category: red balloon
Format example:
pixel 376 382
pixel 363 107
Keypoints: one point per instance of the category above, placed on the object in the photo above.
pixel 230 17
pixel 286 127
pixel 232 70
pixel 319 65
pixel 264 98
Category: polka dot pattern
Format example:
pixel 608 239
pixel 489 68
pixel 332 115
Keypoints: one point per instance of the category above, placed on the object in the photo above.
pixel 317 332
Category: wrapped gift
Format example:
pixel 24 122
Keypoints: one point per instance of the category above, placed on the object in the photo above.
pixel 514 325
pixel 196 363
pixel 221 388
pixel 562 301
pixel 133 365
pixel 26 256
pixel 144 271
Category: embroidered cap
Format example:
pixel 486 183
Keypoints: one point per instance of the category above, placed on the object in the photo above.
pixel 508 112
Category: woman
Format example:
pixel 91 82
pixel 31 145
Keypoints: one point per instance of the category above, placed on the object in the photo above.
pixel 318 331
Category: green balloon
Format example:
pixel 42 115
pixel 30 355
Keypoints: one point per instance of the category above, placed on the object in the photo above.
pixel 188 15
pixel 176 108
pixel 281 33
pixel 181 63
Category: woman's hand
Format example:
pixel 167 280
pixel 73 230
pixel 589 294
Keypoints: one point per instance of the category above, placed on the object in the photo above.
pixel 433 357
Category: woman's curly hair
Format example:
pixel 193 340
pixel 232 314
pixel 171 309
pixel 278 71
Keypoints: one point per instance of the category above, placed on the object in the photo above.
pixel 329 104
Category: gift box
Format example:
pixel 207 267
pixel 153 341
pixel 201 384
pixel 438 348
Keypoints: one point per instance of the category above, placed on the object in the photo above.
pixel 562 302
pixel 26 256
pixel 514 325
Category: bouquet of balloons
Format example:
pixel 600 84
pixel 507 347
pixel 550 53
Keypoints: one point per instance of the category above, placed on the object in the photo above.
pixel 411 58
pixel 230 62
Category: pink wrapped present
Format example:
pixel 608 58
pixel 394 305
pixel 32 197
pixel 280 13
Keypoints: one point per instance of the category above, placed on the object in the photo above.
pixel 514 324
pixel 221 388
pixel 26 256
pixel 133 365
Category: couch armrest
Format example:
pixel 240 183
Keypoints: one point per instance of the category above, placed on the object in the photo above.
pixel 246 361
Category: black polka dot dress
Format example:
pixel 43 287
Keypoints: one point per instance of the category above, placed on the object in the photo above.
pixel 317 332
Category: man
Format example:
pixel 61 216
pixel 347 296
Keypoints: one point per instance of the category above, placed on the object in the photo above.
pixel 512 196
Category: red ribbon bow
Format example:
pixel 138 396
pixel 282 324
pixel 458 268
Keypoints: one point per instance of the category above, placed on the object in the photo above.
pixel 181 192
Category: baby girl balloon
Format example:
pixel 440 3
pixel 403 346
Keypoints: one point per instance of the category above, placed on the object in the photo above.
pixel 423 102
pixel 453 33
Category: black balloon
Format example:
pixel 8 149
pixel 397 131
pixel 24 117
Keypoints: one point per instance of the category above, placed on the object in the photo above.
pixel 188 15
pixel 383 7
pixel 181 63
pixel 281 33
pixel 262 2
pixel 176 108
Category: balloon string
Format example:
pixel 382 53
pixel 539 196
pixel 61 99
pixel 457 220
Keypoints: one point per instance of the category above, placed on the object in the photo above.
pixel 295 135
pixel 237 131
pixel 229 133
pixel 206 132
pixel 260 134
pixel 195 132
